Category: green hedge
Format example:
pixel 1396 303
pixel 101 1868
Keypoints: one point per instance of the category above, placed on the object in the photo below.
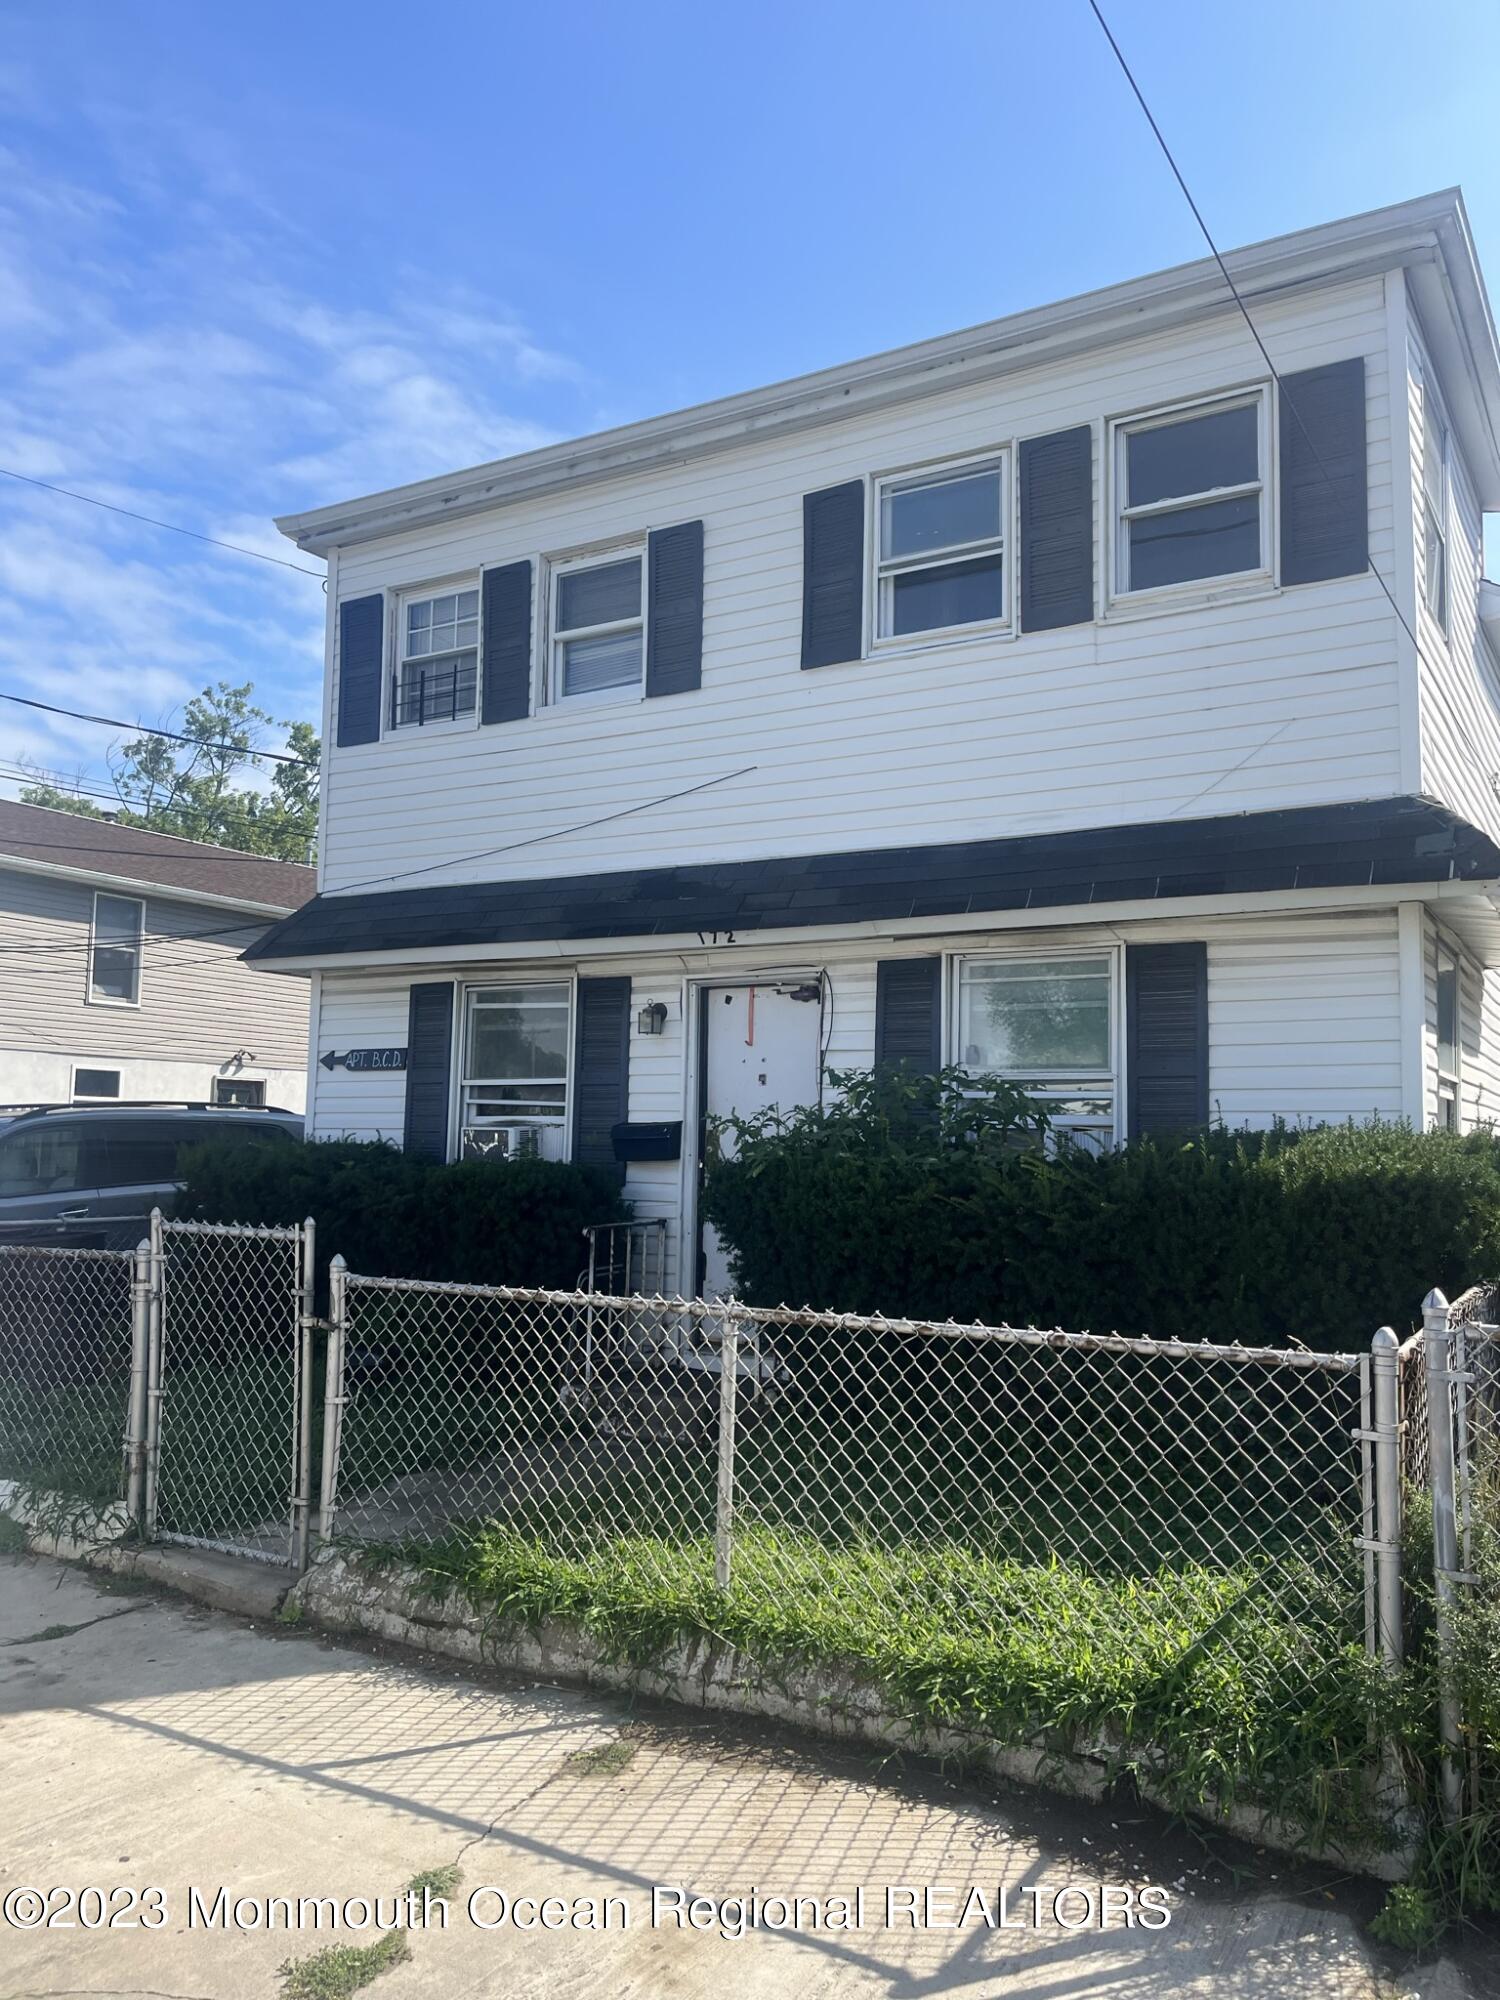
pixel 907 1198
pixel 515 1222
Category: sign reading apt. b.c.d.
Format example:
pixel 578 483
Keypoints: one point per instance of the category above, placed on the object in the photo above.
pixel 364 1059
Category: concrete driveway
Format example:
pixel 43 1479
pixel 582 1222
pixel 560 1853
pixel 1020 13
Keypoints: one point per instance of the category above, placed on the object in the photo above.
pixel 147 1743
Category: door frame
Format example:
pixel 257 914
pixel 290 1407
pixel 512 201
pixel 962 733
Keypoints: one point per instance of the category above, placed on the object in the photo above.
pixel 696 989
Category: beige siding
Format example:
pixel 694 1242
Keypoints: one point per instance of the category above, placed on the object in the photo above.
pixel 199 1003
pixel 1266 700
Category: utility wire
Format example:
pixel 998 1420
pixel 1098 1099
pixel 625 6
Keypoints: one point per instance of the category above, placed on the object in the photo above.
pixel 171 527
pixel 1187 195
pixel 145 729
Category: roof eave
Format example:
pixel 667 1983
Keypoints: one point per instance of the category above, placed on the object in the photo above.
pixel 1360 245
pixel 139 885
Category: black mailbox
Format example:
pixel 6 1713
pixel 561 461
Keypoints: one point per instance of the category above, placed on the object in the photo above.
pixel 648 1142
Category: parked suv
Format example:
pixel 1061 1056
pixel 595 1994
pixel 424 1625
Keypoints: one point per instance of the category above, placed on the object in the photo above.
pixel 90 1175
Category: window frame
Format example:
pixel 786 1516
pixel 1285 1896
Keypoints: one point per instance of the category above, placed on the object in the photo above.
pixel 1432 398
pixel 1449 1083
pixel 463 1082
pixel 1196 589
pixel 554 639
pixel 402 599
pixel 1077 1082
pixel 77 1096
pixel 237 1082
pixel 882 570
pixel 93 999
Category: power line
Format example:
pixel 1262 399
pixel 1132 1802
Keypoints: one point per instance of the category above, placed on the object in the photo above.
pixel 145 729
pixel 1187 195
pixel 171 527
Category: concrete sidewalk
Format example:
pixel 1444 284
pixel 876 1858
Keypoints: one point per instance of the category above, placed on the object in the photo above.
pixel 145 1741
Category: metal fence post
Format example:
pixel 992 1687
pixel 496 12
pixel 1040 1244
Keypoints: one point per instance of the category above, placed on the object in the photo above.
pixel 1437 1343
pixel 302 1491
pixel 333 1396
pixel 157 1264
pixel 135 1418
pixel 1387 1441
pixel 729 1375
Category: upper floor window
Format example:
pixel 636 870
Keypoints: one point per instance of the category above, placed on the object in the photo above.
pixel 598 644
pixel 940 561
pixel 437 673
pixel 1191 495
pixel 513 1081
pixel 1049 1025
pixel 115 950
pixel 1434 507
pixel 1448 1040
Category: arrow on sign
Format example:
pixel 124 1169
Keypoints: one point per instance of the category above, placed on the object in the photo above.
pixel 364 1059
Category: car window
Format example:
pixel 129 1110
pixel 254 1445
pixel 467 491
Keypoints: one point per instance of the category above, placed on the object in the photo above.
pixel 49 1159
pixel 239 1132
pixel 143 1152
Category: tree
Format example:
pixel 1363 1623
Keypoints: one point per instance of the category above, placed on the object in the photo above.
pixel 188 788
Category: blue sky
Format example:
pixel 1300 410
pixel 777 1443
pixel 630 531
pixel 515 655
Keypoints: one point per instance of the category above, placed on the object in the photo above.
pixel 255 259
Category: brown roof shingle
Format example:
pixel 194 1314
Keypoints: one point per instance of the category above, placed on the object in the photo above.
pixel 99 847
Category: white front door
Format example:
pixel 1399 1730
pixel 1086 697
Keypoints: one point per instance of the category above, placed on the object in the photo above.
pixel 762 1051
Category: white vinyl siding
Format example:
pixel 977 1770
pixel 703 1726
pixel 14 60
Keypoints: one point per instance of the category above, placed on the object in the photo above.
pixel 1266 701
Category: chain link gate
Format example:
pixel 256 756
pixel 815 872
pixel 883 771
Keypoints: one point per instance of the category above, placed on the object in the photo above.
pixel 229 1339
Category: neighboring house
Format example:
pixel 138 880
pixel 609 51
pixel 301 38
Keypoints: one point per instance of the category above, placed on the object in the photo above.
pixel 1022 699
pixel 121 973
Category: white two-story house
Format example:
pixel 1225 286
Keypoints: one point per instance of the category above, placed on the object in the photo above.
pixel 1071 698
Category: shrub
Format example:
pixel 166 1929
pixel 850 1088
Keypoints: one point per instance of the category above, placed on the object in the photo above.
pixel 514 1222
pixel 915 1197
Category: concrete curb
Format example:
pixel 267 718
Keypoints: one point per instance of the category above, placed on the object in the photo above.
pixel 398 1604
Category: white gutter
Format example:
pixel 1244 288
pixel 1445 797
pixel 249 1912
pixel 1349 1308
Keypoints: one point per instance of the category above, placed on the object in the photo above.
pixel 135 885
pixel 1432 227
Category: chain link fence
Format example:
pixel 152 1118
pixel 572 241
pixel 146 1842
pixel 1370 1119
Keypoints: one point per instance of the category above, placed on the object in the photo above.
pixel 228 1452
pixel 65 1359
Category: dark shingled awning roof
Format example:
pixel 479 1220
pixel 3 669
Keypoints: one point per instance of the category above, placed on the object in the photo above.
pixel 1375 842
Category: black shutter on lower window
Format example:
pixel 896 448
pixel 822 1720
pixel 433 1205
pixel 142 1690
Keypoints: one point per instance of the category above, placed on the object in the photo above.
pixel 361 669
pixel 833 574
pixel 1166 1016
pixel 1057 529
pixel 674 609
pixel 506 634
pixel 908 1014
pixel 429 1068
pixel 1325 510
pixel 601 1070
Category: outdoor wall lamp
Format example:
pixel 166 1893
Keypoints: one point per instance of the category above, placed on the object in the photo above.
pixel 652 1018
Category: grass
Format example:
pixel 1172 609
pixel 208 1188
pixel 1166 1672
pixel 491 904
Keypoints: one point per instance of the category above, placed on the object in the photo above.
pixel 605 1760
pixel 341 1969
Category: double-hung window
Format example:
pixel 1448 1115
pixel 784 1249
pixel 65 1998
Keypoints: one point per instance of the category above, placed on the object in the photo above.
pixel 1448 1039
pixel 598 625
pixel 115 950
pixel 1047 1025
pixel 940 557
pixel 1434 507
pixel 514 1074
pixel 1192 495
pixel 438 669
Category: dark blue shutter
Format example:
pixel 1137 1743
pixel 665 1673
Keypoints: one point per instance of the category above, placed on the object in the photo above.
pixel 1325 512
pixel 674 609
pixel 429 1067
pixel 601 1070
pixel 908 1013
pixel 506 630
pixel 833 574
pixel 361 668
pixel 1057 529
pixel 1166 1014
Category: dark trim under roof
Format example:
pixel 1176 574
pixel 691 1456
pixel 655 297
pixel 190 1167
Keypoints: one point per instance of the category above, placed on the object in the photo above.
pixel 1376 842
